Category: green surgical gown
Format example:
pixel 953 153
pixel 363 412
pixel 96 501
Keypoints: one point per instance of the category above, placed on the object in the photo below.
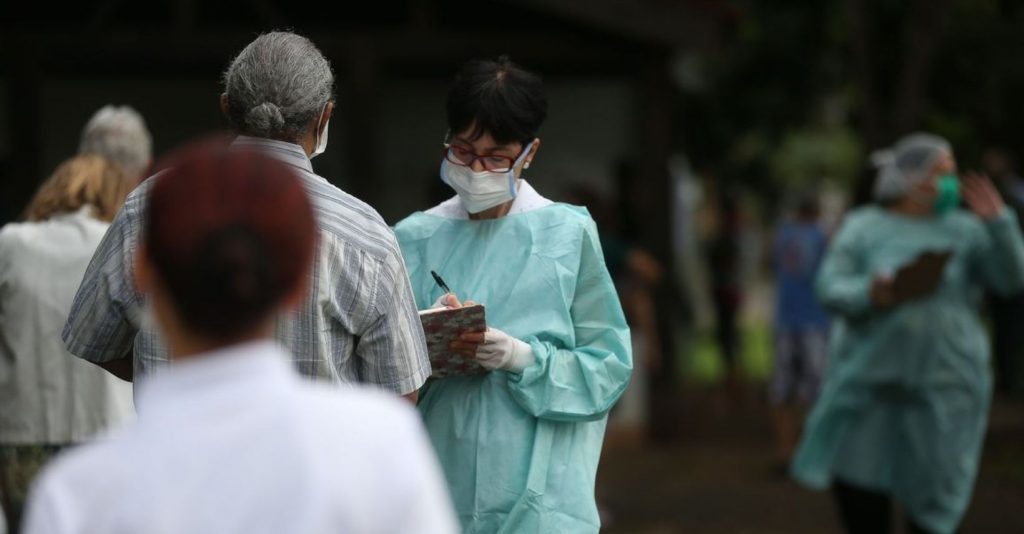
pixel 520 450
pixel 904 405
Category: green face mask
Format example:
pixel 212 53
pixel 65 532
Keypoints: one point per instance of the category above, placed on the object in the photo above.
pixel 949 194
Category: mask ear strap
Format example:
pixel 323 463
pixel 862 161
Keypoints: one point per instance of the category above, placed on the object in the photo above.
pixel 319 122
pixel 526 152
pixel 512 189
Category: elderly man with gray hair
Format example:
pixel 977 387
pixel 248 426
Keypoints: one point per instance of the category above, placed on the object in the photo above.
pixel 119 134
pixel 359 322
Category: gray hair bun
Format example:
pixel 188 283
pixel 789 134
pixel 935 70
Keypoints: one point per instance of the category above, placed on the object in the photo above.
pixel 277 86
pixel 265 119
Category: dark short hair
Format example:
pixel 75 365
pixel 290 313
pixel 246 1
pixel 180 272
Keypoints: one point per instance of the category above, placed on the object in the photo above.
pixel 498 98
pixel 230 233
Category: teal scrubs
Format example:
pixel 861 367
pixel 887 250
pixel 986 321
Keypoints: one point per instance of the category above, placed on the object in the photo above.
pixel 520 450
pixel 904 406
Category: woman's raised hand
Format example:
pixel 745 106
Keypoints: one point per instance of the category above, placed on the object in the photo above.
pixel 981 196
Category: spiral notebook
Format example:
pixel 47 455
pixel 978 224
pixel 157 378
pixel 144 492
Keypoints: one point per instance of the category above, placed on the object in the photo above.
pixel 443 325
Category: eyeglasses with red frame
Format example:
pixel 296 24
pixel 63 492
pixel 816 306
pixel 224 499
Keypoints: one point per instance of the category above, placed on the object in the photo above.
pixel 460 155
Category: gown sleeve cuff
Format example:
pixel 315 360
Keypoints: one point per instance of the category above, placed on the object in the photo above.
pixel 1006 219
pixel 522 357
pixel 534 370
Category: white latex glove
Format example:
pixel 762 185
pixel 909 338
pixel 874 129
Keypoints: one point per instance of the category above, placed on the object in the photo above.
pixel 502 351
pixel 447 300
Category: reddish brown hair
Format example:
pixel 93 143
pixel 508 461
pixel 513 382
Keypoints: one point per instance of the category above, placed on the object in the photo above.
pixel 230 233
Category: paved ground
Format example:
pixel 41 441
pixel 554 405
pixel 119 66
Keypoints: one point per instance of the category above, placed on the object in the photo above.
pixel 719 478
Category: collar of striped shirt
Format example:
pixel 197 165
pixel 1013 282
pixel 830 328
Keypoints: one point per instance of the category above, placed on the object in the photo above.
pixel 288 152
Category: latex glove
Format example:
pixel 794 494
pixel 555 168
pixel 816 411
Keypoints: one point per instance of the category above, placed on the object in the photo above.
pixel 502 351
pixel 448 300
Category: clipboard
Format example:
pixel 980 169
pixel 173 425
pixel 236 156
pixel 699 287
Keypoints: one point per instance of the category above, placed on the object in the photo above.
pixel 920 277
pixel 441 326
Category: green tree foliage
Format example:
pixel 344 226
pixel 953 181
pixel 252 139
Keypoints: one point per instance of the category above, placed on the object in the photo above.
pixel 806 89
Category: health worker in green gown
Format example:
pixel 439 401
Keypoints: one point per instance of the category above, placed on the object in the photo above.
pixel 520 444
pixel 903 410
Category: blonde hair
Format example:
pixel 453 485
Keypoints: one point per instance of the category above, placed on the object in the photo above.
pixel 87 180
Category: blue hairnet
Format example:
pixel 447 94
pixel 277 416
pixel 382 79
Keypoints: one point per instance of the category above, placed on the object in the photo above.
pixel 906 163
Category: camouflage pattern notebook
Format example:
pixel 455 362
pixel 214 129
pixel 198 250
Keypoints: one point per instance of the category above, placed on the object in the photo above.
pixel 442 326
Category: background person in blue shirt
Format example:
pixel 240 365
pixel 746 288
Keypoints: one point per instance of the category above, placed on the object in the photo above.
pixel 801 325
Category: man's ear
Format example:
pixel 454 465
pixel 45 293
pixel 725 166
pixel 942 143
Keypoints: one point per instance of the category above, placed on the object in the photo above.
pixel 328 111
pixel 224 104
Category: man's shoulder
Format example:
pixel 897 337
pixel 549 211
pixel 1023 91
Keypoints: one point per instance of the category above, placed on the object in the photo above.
pixel 138 197
pixel 135 204
pixel 345 217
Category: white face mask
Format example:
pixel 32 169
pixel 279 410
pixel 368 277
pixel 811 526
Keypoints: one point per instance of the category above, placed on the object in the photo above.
pixel 482 190
pixel 321 143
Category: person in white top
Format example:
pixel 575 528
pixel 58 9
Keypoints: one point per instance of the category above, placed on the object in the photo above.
pixel 48 398
pixel 229 437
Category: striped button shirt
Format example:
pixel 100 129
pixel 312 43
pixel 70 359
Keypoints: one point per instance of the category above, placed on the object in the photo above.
pixel 358 324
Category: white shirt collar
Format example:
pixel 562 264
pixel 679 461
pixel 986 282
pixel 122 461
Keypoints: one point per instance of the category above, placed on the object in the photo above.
pixel 528 199
pixel 245 364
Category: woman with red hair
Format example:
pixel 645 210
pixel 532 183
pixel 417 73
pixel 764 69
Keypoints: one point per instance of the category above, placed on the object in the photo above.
pixel 230 439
